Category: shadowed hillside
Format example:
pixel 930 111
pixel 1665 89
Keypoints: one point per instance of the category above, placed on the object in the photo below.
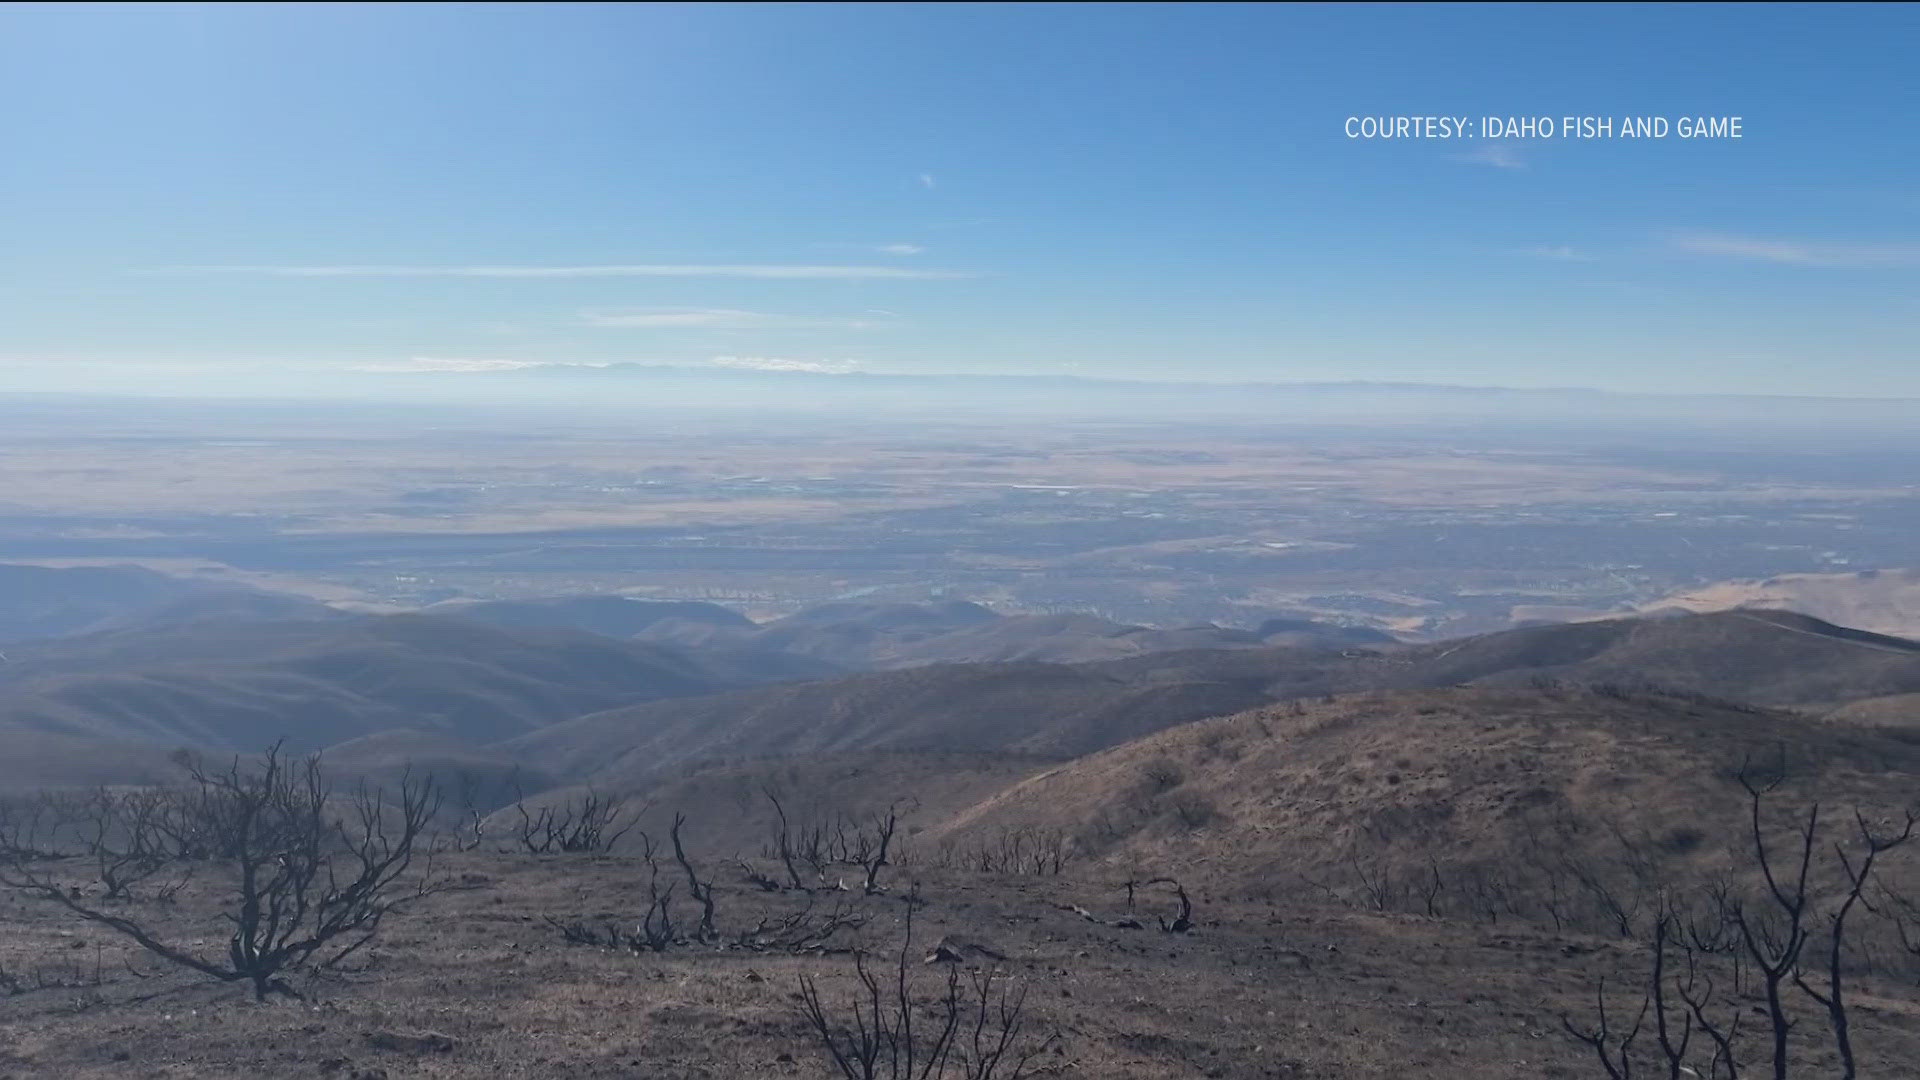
pixel 1043 709
pixel 240 686
pixel 1770 658
pixel 858 636
pixel 1066 710
pixel 43 602
pixel 32 760
pixel 470 778
pixel 613 616
pixel 1062 639
pixel 887 636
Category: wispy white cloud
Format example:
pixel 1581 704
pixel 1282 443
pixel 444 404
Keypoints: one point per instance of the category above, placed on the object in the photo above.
pixel 1493 154
pixel 470 366
pixel 689 270
pixel 926 180
pixel 1853 254
pixel 781 363
pixel 454 364
pixel 714 319
pixel 900 249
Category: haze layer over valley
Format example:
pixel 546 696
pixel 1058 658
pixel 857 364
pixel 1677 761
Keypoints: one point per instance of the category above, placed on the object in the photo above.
pixel 1397 523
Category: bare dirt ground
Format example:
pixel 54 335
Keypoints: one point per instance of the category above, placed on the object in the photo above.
pixel 474 982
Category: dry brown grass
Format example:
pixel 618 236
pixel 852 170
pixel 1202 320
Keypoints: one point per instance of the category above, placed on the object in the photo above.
pixel 1276 980
pixel 1265 802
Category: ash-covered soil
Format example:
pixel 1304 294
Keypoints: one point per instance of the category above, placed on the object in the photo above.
pixel 475 982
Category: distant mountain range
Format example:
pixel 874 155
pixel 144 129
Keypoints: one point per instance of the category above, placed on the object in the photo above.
pixel 731 387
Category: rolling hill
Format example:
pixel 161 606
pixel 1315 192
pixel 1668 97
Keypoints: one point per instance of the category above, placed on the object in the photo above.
pixel 1052 710
pixel 235 685
pixel 1268 800
pixel 611 616
pixel 859 636
pixel 48 602
pixel 1759 657
pixel 36 760
pixel 1896 711
pixel 583 707
pixel 854 636
pixel 888 636
pixel 1060 639
pixel 471 779
pixel 1064 710
pixel 1883 601
pixel 728 810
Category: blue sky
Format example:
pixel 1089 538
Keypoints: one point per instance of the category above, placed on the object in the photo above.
pixel 262 196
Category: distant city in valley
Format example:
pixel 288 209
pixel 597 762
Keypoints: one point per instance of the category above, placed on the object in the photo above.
pixel 1405 526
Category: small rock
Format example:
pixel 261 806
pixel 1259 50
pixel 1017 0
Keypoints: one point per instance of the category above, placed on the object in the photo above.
pixel 427 1043
pixel 952 950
